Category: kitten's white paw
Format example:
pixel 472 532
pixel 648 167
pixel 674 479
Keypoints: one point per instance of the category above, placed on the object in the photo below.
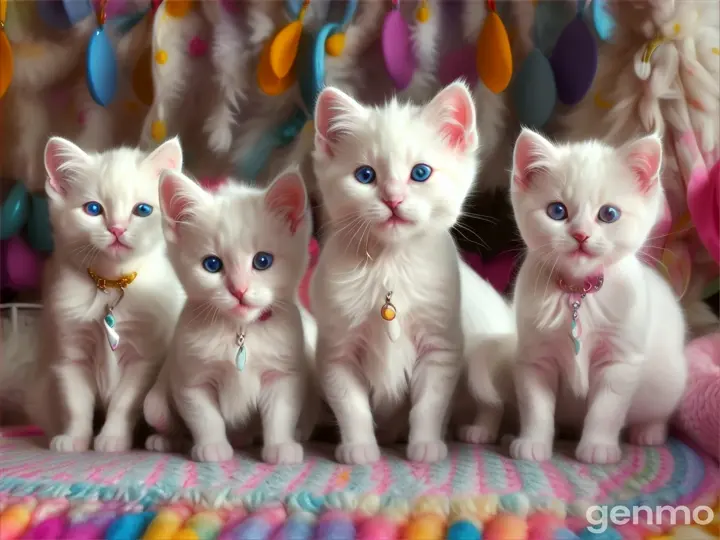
pixel 288 453
pixel 427 452
pixel 68 443
pixel 476 434
pixel 530 450
pixel 648 434
pixel 357 454
pixel 117 442
pixel 158 443
pixel 219 451
pixel 598 453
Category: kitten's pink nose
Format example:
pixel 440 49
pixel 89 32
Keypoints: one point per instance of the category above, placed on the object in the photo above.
pixel 117 231
pixel 580 237
pixel 393 203
pixel 238 293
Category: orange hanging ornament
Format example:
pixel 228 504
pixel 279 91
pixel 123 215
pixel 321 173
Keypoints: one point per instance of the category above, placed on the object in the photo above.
pixel 6 56
pixel 494 57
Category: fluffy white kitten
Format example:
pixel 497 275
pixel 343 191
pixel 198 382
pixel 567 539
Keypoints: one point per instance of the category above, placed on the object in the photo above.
pixel 393 180
pixel 584 211
pixel 105 217
pixel 239 346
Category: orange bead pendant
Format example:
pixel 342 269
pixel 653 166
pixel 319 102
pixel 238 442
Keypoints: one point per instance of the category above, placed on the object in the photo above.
pixel 388 311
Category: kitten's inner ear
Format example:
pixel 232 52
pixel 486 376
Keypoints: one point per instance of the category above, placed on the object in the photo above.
pixel 531 155
pixel 453 111
pixel 62 159
pixel 166 156
pixel 336 113
pixel 644 157
pixel 179 198
pixel 288 197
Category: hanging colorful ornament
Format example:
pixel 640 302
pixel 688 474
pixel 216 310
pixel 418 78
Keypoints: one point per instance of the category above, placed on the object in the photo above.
pixel 550 20
pixel 275 68
pixel 102 67
pixel 533 90
pixel 6 55
pixel 15 210
pixel 397 48
pixel 310 63
pixel 494 57
pixel 574 59
pixel 53 14
pixel 422 15
pixel 39 228
pixel 602 20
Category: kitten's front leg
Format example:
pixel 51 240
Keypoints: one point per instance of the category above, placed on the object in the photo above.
pixel 77 394
pixel 347 395
pixel 537 385
pixel 280 404
pixel 609 401
pixel 207 426
pixel 432 386
pixel 125 406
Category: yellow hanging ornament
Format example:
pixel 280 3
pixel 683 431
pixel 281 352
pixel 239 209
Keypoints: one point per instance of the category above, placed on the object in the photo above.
pixel 423 12
pixel 6 56
pixel 494 57
pixel 284 46
pixel 268 82
pixel 178 8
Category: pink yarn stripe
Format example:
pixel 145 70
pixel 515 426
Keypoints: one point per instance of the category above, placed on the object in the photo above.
pixel 558 483
pixel 292 486
pixel 157 471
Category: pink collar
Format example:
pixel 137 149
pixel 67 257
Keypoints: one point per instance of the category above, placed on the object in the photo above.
pixel 265 315
pixel 590 284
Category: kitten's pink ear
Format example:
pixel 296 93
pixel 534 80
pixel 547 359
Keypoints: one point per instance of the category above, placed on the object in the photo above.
pixel 531 155
pixel 644 157
pixel 287 196
pixel 166 156
pixel 453 111
pixel 335 115
pixel 62 160
pixel 179 198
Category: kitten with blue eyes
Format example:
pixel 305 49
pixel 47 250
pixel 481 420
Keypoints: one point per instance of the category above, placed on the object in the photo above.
pixel 393 334
pixel 243 346
pixel 110 295
pixel 600 334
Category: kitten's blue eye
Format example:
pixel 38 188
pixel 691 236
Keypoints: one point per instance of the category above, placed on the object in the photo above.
pixel 212 264
pixel 365 174
pixel 262 261
pixel 421 172
pixel 557 211
pixel 609 214
pixel 142 209
pixel 93 208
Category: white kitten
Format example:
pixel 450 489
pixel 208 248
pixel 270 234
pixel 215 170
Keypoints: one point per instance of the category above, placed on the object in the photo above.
pixel 103 209
pixel 239 345
pixel 584 211
pixel 393 180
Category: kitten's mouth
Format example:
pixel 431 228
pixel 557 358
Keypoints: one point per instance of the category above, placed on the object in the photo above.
pixel 582 252
pixel 394 221
pixel 117 247
pixel 242 309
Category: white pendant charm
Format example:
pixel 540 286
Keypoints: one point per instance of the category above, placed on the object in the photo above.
pixel 393 329
pixel 112 336
pixel 241 357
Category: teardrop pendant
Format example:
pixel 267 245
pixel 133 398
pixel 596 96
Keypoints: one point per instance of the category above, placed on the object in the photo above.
pixel 389 313
pixel 241 354
pixel 112 336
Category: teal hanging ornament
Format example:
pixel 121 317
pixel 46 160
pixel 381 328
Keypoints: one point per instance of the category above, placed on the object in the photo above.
pixel 15 210
pixel 602 20
pixel 39 228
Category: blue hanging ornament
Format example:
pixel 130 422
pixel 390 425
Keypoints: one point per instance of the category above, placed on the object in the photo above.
pixel 602 20
pixel 574 60
pixel 102 70
pixel 533 90
pixel 76 10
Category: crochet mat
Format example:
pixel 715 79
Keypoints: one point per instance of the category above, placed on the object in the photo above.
pixel 675 473
pixel 475 493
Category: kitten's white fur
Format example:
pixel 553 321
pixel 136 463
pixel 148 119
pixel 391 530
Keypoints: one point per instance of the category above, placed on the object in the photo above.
pixel 77 370
pixel 631 369
pixel 361 369
pixel 206 388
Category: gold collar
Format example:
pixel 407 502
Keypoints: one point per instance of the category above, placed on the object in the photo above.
pixel 121 283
